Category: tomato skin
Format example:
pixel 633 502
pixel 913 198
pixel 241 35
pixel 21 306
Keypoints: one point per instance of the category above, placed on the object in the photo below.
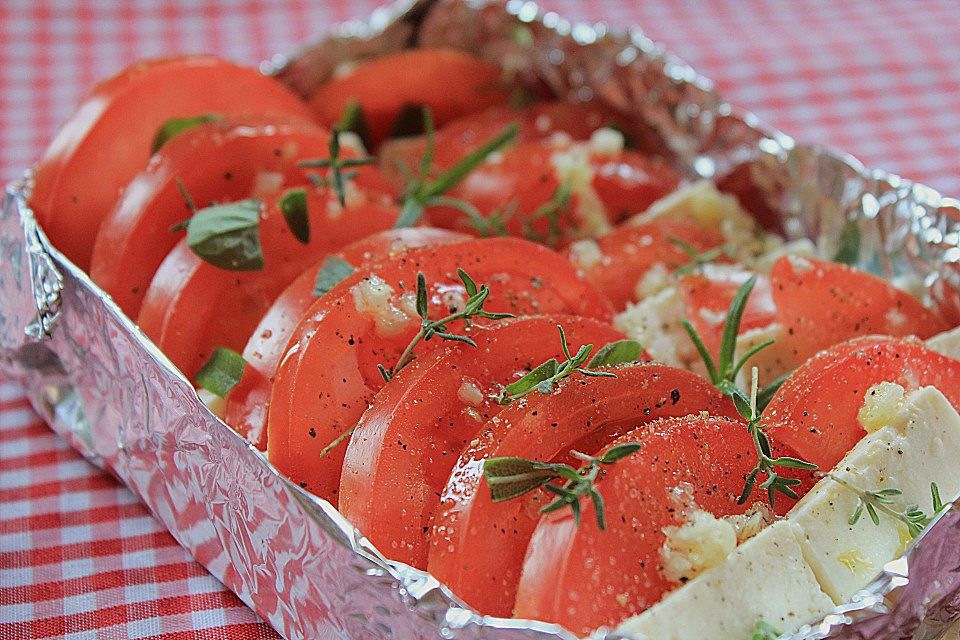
pixel 329 371
pixel 477 545
pixel 247 403
pixel 451 83
pixel 192 306
pixel 83 171
pixel 815 411
pixel 707 297
pixel 630 251
pixel 406 443
pixel 583 577
pixel 849 303
pixel 526 178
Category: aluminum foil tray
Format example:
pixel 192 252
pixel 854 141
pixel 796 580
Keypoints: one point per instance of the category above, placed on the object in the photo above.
pixel 291 557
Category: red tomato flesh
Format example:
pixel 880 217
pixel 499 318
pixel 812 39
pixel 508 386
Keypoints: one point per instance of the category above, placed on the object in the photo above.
pixel 815 411
pixel 477 545
pixel 247 403
pixel 193 307
pixel 450 83
pixel 329 371
pixel 823 303
pixel 108 138
pixel 584 577
pixel 406 443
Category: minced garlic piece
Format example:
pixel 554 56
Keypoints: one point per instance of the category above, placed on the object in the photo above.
pixel 853 560
pixel 699 544
pixel 606 142
pixel 469 393
pixel 881 404
pixel 374 296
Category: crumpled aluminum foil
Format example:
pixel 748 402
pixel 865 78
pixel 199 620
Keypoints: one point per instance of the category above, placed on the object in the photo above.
pixel 291 557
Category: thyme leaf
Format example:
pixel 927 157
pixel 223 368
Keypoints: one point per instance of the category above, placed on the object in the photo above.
pixel 877 501
pixel 338 177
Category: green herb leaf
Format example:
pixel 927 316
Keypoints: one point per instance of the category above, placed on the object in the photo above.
pixel 698 258
pixel 175 126
pixel 222 372
pixel 612 353
pixel 532 380
pixel 511 477
pixel 848 246
pixel 228 235
pixel 293 206
pixel 354 120
pixel 334 271
pixel 618 452
pixel 410 214
pixel 877 501
pixel 551 210
pixel 764 631
pixel 338 177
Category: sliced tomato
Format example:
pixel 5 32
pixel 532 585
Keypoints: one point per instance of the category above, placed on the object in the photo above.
pixel 108 138
pixel 330 369
pixel 193 307
pixel 406 443
pixel 520 184
pixel 451 83
pixel 477 545
pixel 583 577
pixel 247 403
pixel 219 161
pixel 815 411
pixel 620 259
pixel 707 297
pixel 823 303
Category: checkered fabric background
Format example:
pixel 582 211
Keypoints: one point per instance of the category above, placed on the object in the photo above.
pixel 79 557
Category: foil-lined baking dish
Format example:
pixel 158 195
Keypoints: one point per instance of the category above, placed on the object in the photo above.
pixel 291 557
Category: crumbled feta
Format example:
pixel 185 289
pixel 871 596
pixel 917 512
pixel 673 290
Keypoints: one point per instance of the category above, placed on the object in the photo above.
pixel 216 404
pixel 700 543
pixel 353 142
pixel 946 343
pixel 572 166
pixel 391 314
pixel 606 142
pixel 656 279
pixel 656 323
pixel 881 404
pixel 586 254
pixel 266 184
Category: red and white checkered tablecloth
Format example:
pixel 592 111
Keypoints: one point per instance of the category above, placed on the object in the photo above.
pixel 79 557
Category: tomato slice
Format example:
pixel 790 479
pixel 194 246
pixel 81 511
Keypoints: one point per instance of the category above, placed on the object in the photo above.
pixel 605 189
pixel 707 297
pixel 192 306
pixel 815 411
pixel 619 260
pixel 451 83
pixel 583 577
pixel 823 303
pixel 108 138
pixel 406 443
pixel 247 403
pixel 477 545
pixel 329 372
pixel 220 161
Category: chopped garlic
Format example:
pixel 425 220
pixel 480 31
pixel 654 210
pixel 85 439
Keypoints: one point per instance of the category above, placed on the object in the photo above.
pixel 606 142
pixel 469 393
pixel 881 404
pixel 701 543
pixel 375 297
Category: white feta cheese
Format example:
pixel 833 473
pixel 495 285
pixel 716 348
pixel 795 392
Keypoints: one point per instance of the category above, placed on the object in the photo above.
pixel 606 142
pixel 718 605
pixel 656 279
pixel 572 166
pixel 702 542
pixel 655 322
pixel 946 343
pixel 585 254
pixel 919 446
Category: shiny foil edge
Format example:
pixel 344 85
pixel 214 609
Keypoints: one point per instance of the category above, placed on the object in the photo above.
pixel 292 557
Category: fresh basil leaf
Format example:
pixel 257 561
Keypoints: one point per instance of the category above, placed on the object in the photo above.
pixel 353 119
pixel 510 477
pixel 293 206
pixel 618 352
pixel 848 246
pixel 175 126
pixel 228 235
pixel 544 372
pixel 222 371
pixel 334 271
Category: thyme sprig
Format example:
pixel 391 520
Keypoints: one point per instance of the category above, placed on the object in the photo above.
pixel 511 477
pixel 766 463
pixel 423 192
pixel 473 308
pixel 544 377
pixel 551 211
pixel 877 501
pixel 338 177
pixel 697 259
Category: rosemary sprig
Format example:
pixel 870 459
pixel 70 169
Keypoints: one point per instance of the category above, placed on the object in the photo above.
pixel 511 477
pixel 551 211
pixel 877 501
pixel 544 377
pixel 338 177
pixel 473 308
pixel 766 463
pixel 423 192
pixel 698 258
